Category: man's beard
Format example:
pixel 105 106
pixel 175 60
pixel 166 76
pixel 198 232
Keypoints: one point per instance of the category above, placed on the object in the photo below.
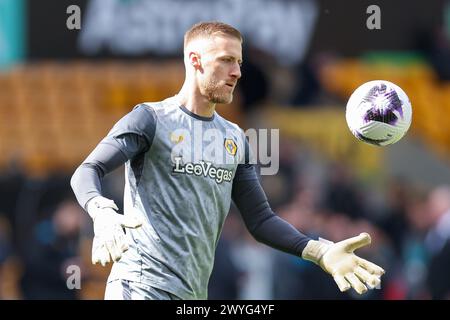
pixel 215 92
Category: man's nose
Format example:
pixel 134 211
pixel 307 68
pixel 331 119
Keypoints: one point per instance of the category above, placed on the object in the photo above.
pixel 236 71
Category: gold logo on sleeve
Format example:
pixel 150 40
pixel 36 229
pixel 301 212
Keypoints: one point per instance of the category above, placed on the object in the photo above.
pixel 176 138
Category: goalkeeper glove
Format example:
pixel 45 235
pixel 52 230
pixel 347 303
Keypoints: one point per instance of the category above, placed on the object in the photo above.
pixel 109 240
pixel 347 269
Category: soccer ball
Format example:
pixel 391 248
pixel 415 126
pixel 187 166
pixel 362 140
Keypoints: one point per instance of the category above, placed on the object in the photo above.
pixel 379 112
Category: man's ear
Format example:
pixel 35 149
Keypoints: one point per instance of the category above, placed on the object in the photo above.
pixel 194 60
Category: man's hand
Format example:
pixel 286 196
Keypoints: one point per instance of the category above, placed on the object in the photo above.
pixel 109 240
pixel 347 269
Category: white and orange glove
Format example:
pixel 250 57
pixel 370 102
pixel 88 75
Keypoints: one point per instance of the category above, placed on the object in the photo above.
pixel 347 269
pixel 109 241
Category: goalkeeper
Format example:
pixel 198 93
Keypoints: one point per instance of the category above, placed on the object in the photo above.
pixel 175 205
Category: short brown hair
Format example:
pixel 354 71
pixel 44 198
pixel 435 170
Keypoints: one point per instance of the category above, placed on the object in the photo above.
pixel 207 29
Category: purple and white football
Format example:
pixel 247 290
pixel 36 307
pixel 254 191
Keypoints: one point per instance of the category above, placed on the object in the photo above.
pixel 379 112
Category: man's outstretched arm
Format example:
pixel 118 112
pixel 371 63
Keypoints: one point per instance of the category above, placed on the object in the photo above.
pixel 338 259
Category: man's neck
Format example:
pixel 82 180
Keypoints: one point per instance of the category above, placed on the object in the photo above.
pixel 192 100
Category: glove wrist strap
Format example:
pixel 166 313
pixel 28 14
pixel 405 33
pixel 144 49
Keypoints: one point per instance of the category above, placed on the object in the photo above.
pixel 91 208
pixel 96 204
pixel 315 250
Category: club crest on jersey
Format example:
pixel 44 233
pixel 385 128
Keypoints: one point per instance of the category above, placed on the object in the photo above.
pixel 230 146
